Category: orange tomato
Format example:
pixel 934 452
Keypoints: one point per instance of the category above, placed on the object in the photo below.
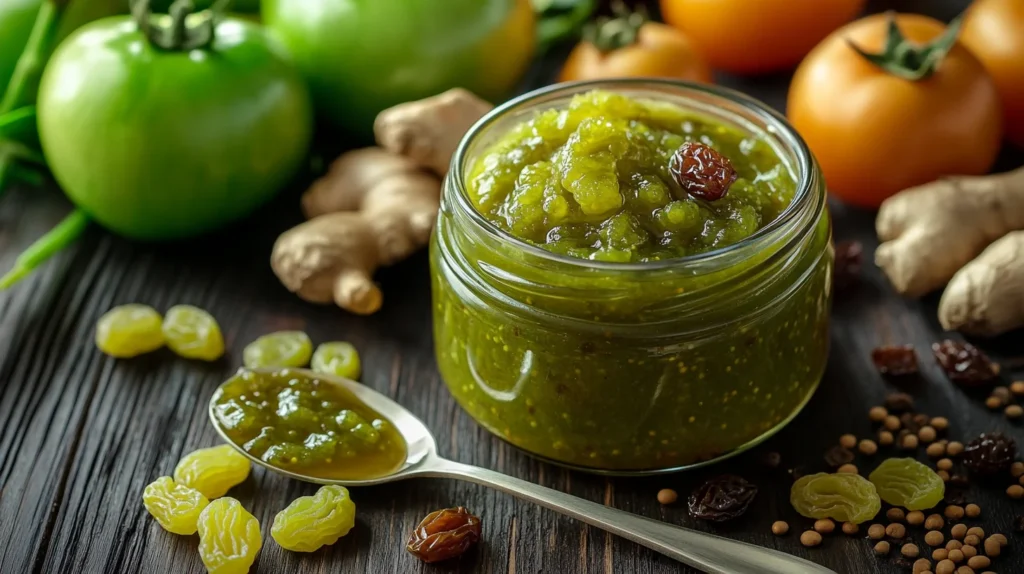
pixel 659 51
pixel 757 36
pixel 994 32
pixel 874 133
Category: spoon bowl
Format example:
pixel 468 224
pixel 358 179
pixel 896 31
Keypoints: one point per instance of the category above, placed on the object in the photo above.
pixel 707 552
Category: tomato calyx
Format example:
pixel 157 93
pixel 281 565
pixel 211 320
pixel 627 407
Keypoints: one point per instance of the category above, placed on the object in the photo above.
pixel 908 60
pixel 610 34
pixel 184 30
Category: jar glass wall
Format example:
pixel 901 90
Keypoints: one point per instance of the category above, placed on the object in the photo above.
pixel 634 367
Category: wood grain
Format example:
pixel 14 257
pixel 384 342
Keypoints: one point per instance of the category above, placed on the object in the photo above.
pixel 82 434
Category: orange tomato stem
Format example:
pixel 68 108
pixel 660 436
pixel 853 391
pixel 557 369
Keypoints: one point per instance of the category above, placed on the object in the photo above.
pixel 905 59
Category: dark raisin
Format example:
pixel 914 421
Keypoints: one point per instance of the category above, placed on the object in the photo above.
pixel 444 534
pixel 921 419
pixel 955 497
pixel 1018 523
pixel 849 260
pixel 899 402
pixel 964 363
pixel 895 360
pixel 990 453
pixel 772 459
pixel 701 171
pixel 722 498
pixel 838 456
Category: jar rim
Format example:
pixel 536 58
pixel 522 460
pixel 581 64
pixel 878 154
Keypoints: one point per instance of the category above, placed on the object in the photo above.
pixel 775 123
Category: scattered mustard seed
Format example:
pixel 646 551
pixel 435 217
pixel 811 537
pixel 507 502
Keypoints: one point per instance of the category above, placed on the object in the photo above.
pixel 939 423
pixel 910 550
pixel 958 531
pixel 895 515
pixel 885 438
pixel 867 447
pixel 971 540
pixel 934 522
pixel 992 547
pixel 954 448
pixel 954 512
pixel 892 423
pixel 847 441
pixel 939 554
pixel 1015 492
pixel 915 518
pixel 978 562
pixel 944 464
pixel 1014 411
pixel 956 556
pixel 999 538
pixel 976 531
pixel 850 528
pixel 1017 469
pixel 876 532
pixel 943 475
pixel 780 528
pixel 1017 387
pixel 878 414
pixel 936 450
pixel 945 566
pixel 972 510
pixel 969 551
pixel 910 442
pixel 896 530
pixel 954 545
pixel 882 548
pixel 810 538
pixel 934 538
pixel 994 402
pixel 848 469
pixel 926 434
pixel 667 496
pixel 921 566
pixel 824 526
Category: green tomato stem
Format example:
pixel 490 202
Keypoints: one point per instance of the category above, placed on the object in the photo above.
pixel 18 123
pixel 66 232
pixel 25 79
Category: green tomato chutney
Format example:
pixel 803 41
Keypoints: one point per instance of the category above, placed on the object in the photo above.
pixel 591 311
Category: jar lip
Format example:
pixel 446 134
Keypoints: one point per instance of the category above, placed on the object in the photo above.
pixel 775 122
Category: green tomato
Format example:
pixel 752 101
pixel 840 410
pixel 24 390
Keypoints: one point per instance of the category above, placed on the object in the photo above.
pixel 160 144
pixel 362 56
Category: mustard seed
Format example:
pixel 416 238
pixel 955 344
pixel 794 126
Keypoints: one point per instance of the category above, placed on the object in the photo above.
pixel 1014 412
pixel 867 447
pixel 969 550
pixel 934 538
pixel 954 545
pixel 1017 469
pixel 972 510
pixel 1015 492
pixel 810 538
pixel 895 515
pixel 824 526
pixel 1021 480
pixel 954 448
pixel 885 438
pixel 976 531
pixel 978 562
pixel 934 522
pixel 956 556
pixel 892 423
pixel 847 441
pixel 944 464
pixel 850 528
pixel 965 570
pixel 1017 387
pixel 946 566
pixel 939 423
pixel 910 550
pixel 992 547
pixel 876 532
pixel 667 496
pixel 994 402
pixel 939 554
pixel 943 475
pixel 915 518
pixel 877 414
pixel 936 450
pixel 954 512
pixel 999 538
pixel 780 528
pixel 896 530
pixel 1001 392
pixel 882 548
pixel 909 442
pixel 958 531
pixel 926 434
pixel 921 566
pixel 848 469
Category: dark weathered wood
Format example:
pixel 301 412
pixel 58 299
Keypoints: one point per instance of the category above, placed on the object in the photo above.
pixel 82 434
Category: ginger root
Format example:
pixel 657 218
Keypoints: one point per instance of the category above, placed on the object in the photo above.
pixel 986 297
pixel 428 131
pixel 375 206
pixel 929 232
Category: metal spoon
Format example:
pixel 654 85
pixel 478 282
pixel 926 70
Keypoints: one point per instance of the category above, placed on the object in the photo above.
pixel 707 552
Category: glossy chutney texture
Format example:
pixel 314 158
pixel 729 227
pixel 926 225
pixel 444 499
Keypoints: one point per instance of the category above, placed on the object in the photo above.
pixel 631 369
pixel 302 424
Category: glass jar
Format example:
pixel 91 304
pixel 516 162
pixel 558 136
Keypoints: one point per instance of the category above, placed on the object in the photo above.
pixel 634 367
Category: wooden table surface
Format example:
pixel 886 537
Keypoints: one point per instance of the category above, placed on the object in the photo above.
pixel 81 434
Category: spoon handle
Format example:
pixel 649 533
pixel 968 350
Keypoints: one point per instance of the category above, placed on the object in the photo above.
pixel 710 553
